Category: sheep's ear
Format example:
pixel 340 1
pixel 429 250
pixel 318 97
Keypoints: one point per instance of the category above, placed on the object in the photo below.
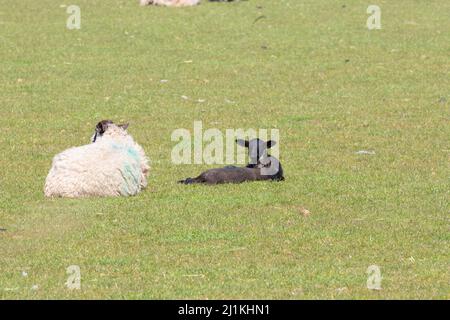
pixel 242 143
pixel 270 144
pixel 102 126
pixel 124 126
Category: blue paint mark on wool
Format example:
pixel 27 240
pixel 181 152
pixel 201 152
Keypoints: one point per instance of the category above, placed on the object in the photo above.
pixel 131 179
pixel 131 169
pixel 133 153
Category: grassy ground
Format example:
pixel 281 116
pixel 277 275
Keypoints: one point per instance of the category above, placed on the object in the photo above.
pixel 309 68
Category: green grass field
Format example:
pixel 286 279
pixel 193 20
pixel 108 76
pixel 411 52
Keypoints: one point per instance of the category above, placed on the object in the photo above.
pixel 310 68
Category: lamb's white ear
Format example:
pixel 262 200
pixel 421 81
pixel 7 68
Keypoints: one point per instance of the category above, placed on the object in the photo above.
pixel 124 126
pixel 242 143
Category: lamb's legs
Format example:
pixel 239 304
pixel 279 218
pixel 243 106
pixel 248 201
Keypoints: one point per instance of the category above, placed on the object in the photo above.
pixel 199 179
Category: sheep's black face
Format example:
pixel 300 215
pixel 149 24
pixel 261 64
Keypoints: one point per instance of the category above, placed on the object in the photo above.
pixel 100 129
pixel 257 149
pixel 102 126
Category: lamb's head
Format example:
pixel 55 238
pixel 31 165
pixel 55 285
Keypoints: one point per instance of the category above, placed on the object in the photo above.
pixel 257 150
pixel 107 127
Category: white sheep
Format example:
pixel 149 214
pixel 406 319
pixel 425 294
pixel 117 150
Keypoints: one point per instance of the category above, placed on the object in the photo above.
pixel 170 3
pixel 112 165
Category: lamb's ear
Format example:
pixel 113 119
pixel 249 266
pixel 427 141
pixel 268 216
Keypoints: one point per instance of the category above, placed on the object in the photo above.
pixel 270 144
pixel 124 126
pixel 242 143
